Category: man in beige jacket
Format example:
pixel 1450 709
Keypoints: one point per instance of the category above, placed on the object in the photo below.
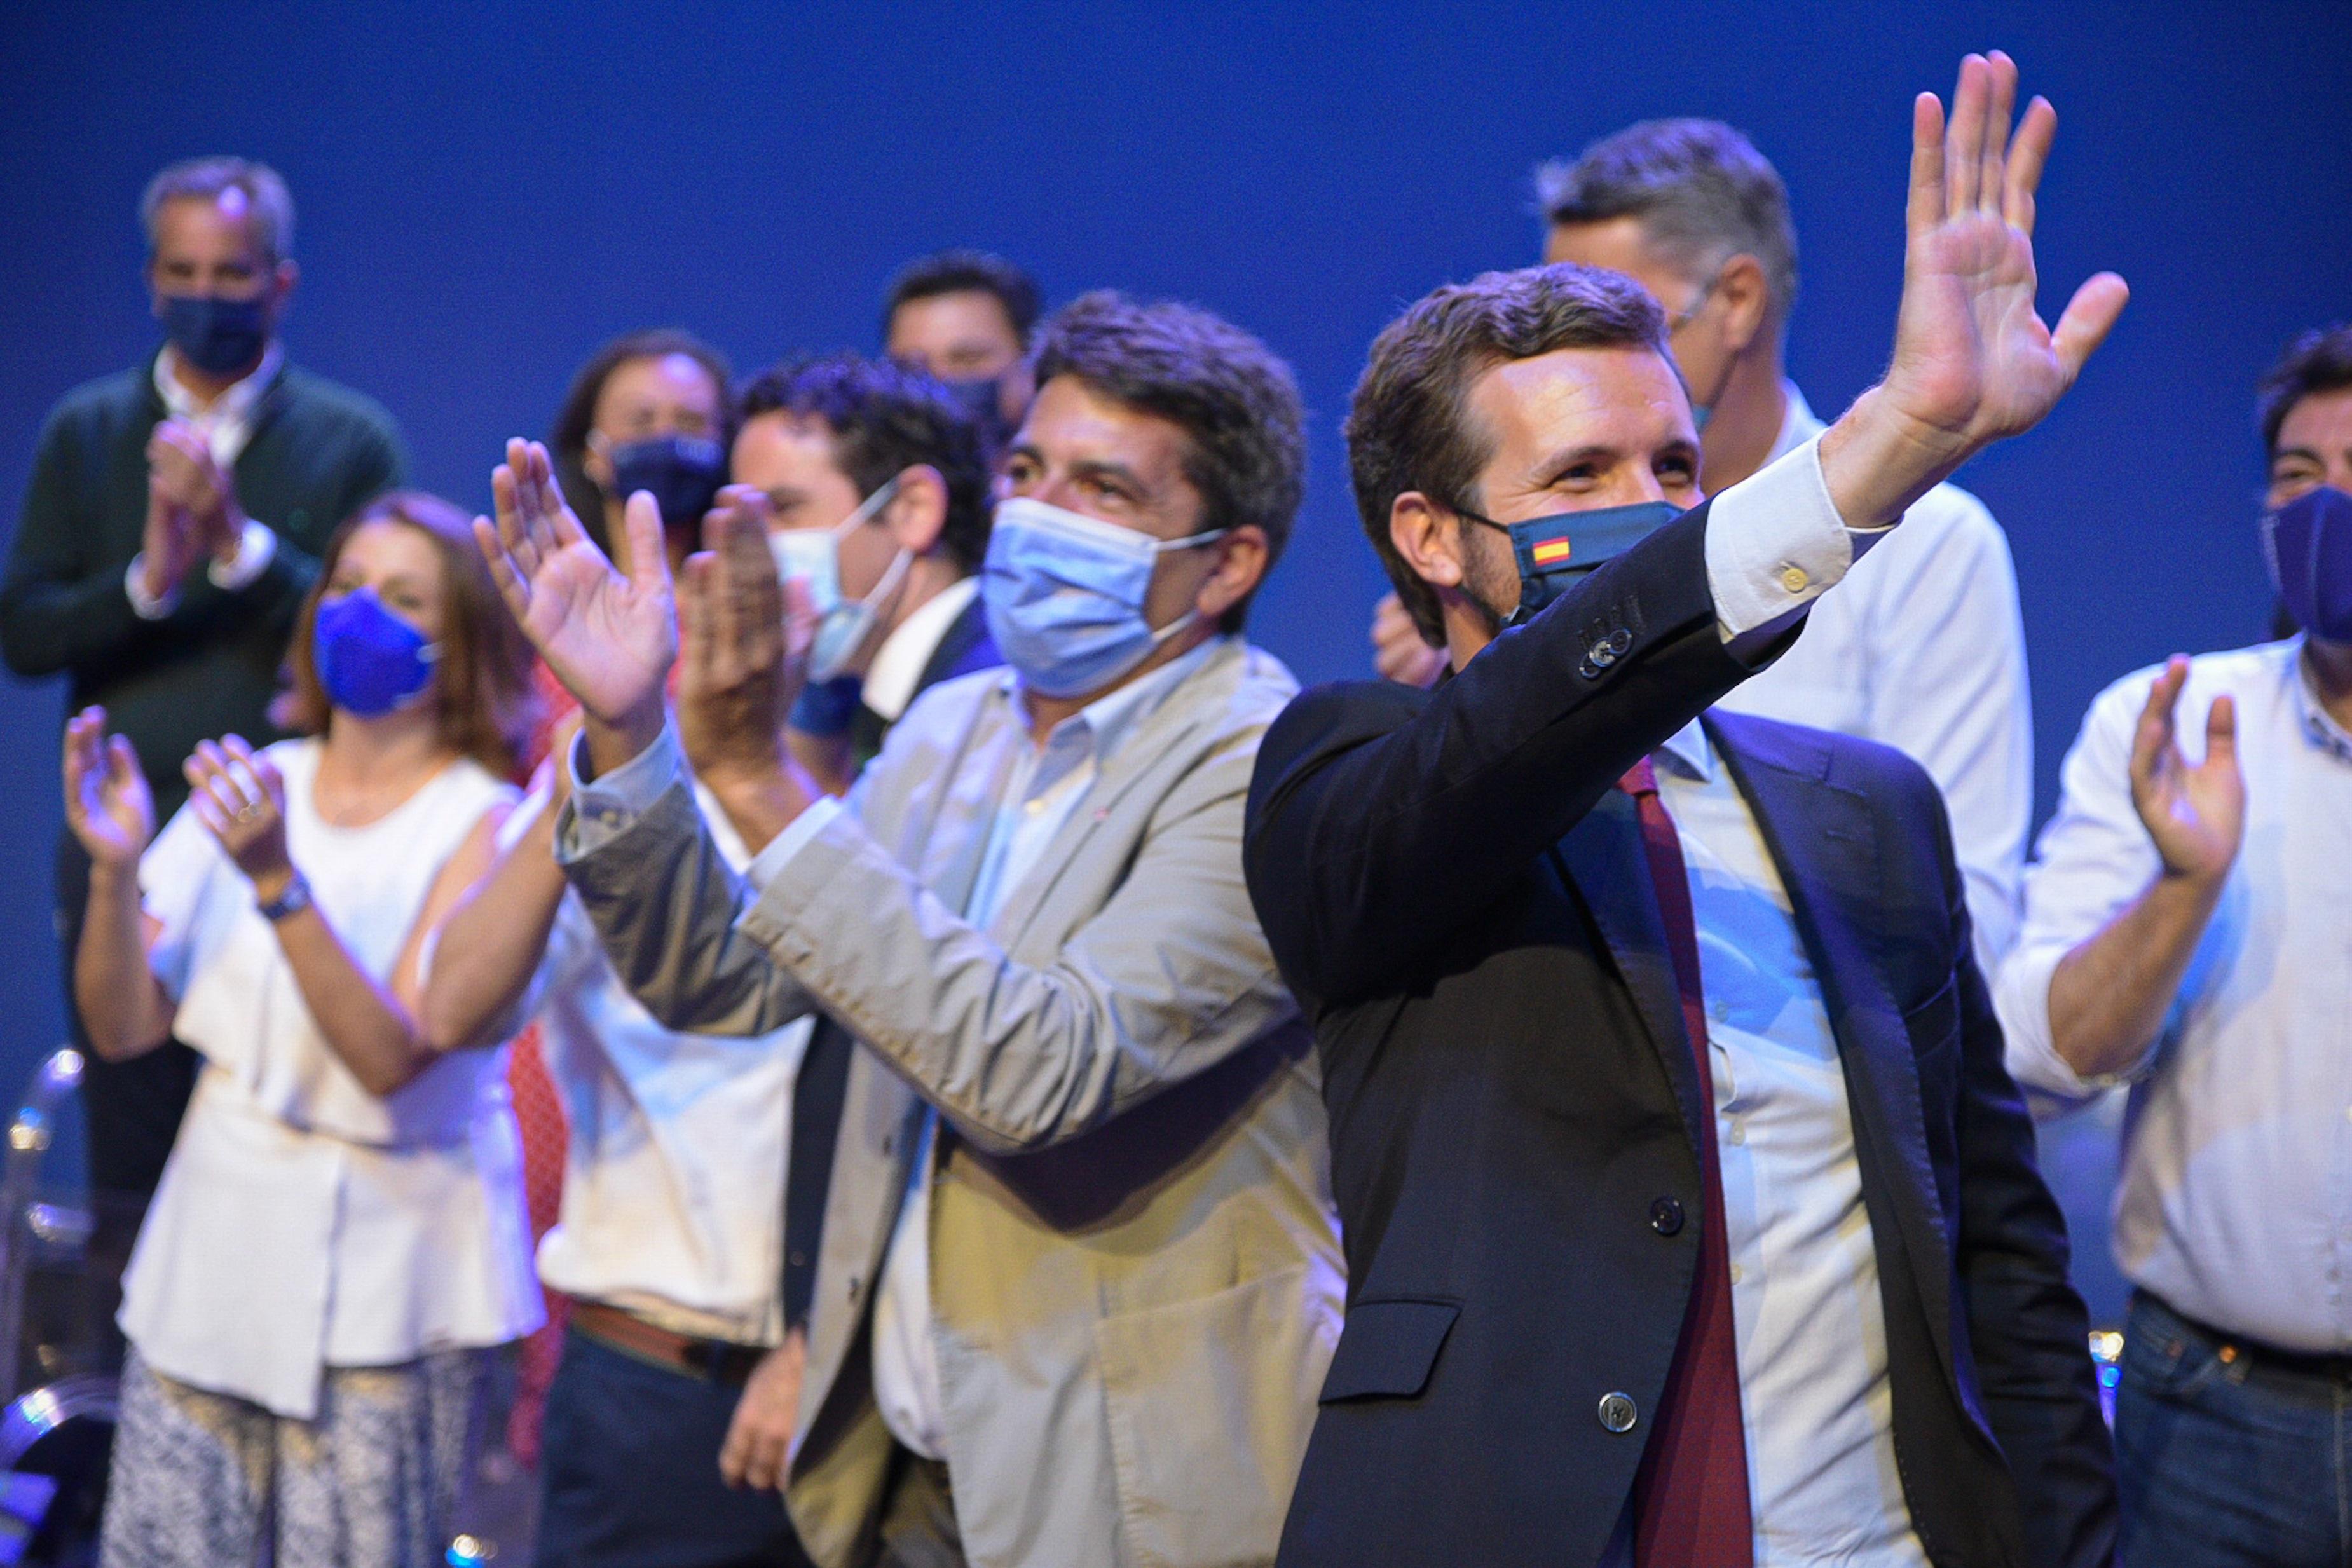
pixel 1080 1278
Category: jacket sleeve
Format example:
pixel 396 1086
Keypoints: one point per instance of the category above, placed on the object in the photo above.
pixel 57 612
pixel 1377 828
pixel 1168 977
pixel 2028 1331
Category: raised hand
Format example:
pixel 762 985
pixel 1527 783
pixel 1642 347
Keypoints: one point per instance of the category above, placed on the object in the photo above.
pixel 180 464
pixel 240 796
pixel 2196 815
pixel 107 806
pixel 1973 362
pixel 609 638
pixel 747 643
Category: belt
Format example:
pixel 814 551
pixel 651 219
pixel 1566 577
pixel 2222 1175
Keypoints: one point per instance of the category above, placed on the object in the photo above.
pixel 2230 1349
pixel 715 1360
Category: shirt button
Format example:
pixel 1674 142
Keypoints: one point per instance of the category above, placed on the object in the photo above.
pixel 1035 807
pixel 1737 1274
pixel 1666 1217
pixel 1619 1413
pixel 1793 579
pixel 1738 1135
pixel 1722 1011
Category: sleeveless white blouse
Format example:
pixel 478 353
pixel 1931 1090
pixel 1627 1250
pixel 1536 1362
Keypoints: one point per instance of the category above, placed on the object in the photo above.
pixel 303 1222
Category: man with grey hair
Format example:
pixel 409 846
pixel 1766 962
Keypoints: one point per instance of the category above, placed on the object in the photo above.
pixel 1922 649
pixel 172 527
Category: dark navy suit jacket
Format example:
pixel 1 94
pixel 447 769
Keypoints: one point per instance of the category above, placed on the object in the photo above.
pixel 1459 898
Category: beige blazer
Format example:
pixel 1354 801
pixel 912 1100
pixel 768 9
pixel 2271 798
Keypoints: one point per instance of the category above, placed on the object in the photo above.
pixel 1136 1272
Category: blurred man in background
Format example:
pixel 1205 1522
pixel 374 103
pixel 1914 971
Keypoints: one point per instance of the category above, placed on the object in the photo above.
pixel 1922 649
pixel 2188 932
pixel 965 316
pixel 170 532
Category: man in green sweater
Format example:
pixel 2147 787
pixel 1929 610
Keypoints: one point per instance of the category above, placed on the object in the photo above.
pixel 174 522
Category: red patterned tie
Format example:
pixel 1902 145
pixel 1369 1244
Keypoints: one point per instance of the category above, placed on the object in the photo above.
pixel 1690 1498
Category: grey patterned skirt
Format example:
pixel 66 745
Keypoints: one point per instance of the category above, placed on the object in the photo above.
pixel 374 1481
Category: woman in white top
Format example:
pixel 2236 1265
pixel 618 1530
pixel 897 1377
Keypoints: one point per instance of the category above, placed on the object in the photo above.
pixel 339 1248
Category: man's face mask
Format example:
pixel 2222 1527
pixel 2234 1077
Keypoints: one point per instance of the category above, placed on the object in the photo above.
pixel 2308 543
pixel 682 472
pixel 813 555
pixel 1555 551
pixel 217 336
pixel 1063 593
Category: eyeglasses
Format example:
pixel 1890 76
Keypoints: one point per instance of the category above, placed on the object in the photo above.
pixel 1682 318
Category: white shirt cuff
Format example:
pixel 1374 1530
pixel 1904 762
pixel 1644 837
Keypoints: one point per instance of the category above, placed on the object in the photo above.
pixel 143 605
pixel 1775 543
pixel 255 550
pixel 2022 1000
pixel 770 862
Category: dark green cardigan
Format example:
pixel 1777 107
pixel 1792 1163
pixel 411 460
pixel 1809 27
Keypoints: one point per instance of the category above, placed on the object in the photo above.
pixel 210 667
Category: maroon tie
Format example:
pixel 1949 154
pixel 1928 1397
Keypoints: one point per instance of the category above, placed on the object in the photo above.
pixel 1690 1496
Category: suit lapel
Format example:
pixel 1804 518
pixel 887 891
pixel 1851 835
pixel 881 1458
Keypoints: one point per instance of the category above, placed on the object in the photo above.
pixel 1822 839
pixel 1603 861
pixel 1162 735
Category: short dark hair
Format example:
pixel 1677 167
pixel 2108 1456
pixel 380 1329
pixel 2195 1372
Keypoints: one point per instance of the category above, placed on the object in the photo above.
pixel 2316 362
pixel 1701 190
pixel 483 698
pixel 567 441
pixel 1410 426
pixel 1237 402
pixel 887 417
pixel 268 204
pixel 965 272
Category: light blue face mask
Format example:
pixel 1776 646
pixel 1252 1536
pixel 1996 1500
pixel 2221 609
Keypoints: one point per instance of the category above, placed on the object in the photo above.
pixel 1064 594
pixel 813 555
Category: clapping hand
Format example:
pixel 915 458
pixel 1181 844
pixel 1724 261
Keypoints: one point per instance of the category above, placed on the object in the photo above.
pixel 180 464
pixel 1973 362
pixel 108 805
pixel 609 638
pixel 240 796
pixel 2197 816
pixel 747 643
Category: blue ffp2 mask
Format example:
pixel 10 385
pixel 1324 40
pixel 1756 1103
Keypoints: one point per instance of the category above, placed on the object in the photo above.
pixel 2308 543
pixel 1064 594
pixel 370 661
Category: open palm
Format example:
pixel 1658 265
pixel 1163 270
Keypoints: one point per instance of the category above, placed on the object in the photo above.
pixel 1973 361
pixel 2197 816
pixel 108 805
pixel 609 638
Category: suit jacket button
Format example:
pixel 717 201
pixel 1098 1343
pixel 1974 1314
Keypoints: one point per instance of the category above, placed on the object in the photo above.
pixel 1666 1217
pixel 1601 654
pixel 1619 641
pixel 1619 1413
pixel 1588 670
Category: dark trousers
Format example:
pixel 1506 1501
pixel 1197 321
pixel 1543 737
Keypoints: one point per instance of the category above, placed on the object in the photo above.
pixel 629 1473
pixel 2226 1455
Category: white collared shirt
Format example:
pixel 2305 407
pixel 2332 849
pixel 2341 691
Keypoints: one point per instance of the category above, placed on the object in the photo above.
pixel 226 424
pixel 1815 1401
pixel 1923 649
pixel 2235 1203
pixel 674 1176
pixel 898 666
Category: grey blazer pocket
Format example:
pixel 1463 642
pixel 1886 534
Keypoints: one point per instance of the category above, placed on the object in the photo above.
pixel 1388 1348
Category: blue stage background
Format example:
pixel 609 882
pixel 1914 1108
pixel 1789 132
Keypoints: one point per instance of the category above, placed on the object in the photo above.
pixel 486 191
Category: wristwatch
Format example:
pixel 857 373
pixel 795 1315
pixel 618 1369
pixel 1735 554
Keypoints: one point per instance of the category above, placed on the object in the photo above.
pixel 293 901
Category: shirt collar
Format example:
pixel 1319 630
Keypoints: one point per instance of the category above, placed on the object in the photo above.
pixel 236 401
pixel 1687 753
pixel 1798 423
pixel 1107 720
pixel 2318 727
pixel 898 666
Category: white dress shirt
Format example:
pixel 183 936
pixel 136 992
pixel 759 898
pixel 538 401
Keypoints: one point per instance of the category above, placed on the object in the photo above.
pixel 1815 1401
pixel 1922 649
pixel 2236 1204
pixel 303 1222
pixel 225 425
pixel 674 1174
pixel 898 667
